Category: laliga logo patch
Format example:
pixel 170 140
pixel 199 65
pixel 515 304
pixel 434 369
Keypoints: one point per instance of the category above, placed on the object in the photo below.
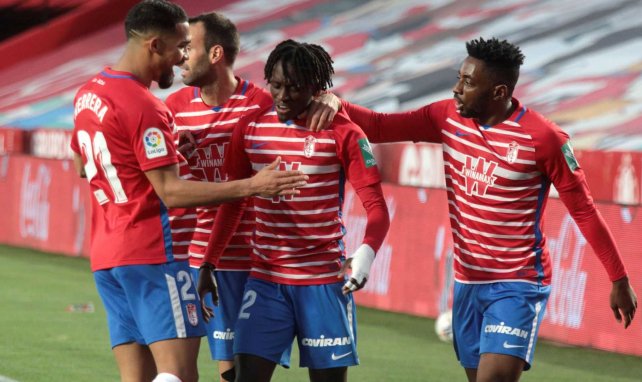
pixel 154 143
pixel 308 146
pixel 192 315
pixel 511 155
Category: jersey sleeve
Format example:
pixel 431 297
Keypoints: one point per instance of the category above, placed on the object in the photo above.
pixel 371 197
pixel 152 139
pixel 356 155
pixel 557 161
pixel 237 165
pixel 416 125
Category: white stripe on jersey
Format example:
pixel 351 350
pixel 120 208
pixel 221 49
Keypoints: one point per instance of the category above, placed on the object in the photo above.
pixel 488 246
pixel 304 237
pixel 203 230
pixel 295 277
pixel 290 212
pixel 494 258
pixel 482 148
pixel 181 230
pixel 219 110
pixel 182 217
pixel 492 197
pixel 488 221
pixel 289 152
pixel 492 270
pixel 499 171
pixel 488 208
pixel 270 224
pixel 175 243
pixel 313 198
pixel 206 125
pixel 214 136
pixel 306 169
pixel 321 184
pixel 286 139
pixel 488 234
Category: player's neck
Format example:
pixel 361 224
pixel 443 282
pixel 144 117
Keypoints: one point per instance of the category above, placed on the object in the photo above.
pixel 219 92
pixel 503 112
pixel 131 62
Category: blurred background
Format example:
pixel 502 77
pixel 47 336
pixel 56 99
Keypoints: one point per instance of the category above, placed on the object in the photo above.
pixel 583 70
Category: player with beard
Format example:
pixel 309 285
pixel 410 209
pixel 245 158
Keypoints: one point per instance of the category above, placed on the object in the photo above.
pixel 122 145
pixel 296 286
pixel 207 111
pixel 500 159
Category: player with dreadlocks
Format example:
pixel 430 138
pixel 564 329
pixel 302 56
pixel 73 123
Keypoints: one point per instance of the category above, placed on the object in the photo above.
pixel 297 285
pixel 500 159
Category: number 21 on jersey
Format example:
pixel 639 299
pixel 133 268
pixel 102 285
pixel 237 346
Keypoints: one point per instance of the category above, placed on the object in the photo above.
pixel 96 152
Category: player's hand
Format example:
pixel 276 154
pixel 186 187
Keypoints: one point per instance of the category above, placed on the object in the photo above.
pixel 623 301
pixel 186 143
pixel 270 181
pixel 207 284
pixel 321 111
pixel 360 263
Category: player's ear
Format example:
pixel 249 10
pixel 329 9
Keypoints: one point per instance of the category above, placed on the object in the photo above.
pixel 216 54
pixel 500 92
pixel 155 44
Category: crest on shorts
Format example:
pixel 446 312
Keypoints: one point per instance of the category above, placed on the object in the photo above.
pixel 511 155
pixel 192 314
pixel 308 146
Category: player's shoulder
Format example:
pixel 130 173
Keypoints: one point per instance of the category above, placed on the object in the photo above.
pixel 540 128
pixel 182 95
pixel 257 94
pixel 342 124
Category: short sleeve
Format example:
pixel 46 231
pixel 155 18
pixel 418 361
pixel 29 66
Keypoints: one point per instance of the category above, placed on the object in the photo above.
pixel 152 138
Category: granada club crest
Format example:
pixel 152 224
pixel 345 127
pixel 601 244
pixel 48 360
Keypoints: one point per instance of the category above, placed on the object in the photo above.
pixel 192 314
pixel 308 146
pixel 511 155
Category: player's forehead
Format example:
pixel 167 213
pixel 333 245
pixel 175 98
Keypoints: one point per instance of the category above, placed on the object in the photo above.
pixel 180 35
pixel 283 73
pixel 472 68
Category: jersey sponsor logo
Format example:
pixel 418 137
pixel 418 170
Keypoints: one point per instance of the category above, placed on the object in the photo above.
pixel 366 152
pixel 91 102
pixel 567 150
pixel 227 335
pixel 154 143
pixel 209 161
pixel 192 315
pixel 284 166
pixel 323 342
pixel 511 346
pixel 308 146
pixel 478 175
pixel 511 154
pixel 505 329
pixel 338 357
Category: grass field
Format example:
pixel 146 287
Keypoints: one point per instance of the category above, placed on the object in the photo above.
pixel 41 341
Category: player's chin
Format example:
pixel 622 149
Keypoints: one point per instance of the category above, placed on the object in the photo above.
pixel 166 80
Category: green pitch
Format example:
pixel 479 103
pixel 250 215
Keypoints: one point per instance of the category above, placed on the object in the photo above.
pixel 47 334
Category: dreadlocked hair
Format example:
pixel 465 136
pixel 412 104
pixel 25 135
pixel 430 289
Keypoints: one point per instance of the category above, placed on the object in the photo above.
pixel 502 58
pixel 309 65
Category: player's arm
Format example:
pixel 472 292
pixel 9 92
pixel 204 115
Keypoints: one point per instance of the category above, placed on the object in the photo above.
pixel 321 111
pixel 360 262
pixel 560 165
pixel 416 125
pixel 176 192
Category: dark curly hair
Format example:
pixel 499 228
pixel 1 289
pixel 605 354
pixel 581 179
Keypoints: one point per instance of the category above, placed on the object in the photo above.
pixel 309 65
pixel 153 15
pixel 502 59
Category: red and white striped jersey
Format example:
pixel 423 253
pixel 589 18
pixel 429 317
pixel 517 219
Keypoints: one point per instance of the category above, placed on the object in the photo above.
pixel 212 128
pixel 182 220
pixel 298 238
pixel 498 179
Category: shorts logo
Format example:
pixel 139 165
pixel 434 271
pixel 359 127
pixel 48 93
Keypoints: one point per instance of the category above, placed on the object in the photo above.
pixel 154 142
pixel 192 315
pixel 504 329
pixel 510 346
pixel 308 146
pixel 322 342
pixel 338 357
pixel 227 335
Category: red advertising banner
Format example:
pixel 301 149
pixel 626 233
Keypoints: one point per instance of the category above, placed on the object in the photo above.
pixel 612 176
pixel 413 270
pixel 12 141
pixel 46 206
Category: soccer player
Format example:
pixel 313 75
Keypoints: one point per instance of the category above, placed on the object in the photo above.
pixel 122 144
pixel 207 110
pixel 296 286
pixel 500 159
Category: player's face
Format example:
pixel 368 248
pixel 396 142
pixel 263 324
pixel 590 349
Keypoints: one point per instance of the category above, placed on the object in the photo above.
pixel 197 70
pixel 173 53
pixel 473 91
pixel 290 100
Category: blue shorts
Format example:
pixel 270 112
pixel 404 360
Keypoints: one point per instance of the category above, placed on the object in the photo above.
pixel 321 318
pixel 500 318
pixel 149 303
